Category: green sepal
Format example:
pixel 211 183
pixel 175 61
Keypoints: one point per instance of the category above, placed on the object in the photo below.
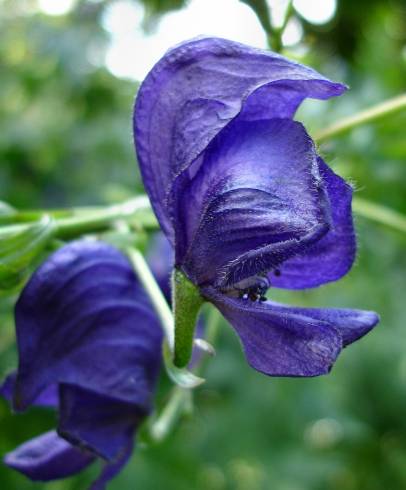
pixel 186 303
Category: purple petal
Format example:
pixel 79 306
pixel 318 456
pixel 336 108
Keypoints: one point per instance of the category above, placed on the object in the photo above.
pixel 280 343
pixel 280 340
pixel 47 398
pixel 195 90
pixel 99 423
pixel 160 259
pixel 110 470
pixel 84 319
pixel 331 257
pixel 48 457
pixel 7 387
pixel 351 324
pixel 256 201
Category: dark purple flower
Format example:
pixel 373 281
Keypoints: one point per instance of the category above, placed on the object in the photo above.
pixel 160 258
pixel 89 344
pixel 244 198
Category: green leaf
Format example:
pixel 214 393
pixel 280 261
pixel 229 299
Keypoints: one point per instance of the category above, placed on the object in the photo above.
pixel 19 246
pixel 186 302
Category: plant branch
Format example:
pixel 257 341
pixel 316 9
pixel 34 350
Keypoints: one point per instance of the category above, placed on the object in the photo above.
pixel 369 115
pixel 70 223
pixel 380 214
pixel 264 15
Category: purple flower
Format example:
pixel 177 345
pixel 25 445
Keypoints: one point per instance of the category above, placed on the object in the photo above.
pixel 89 345
pixel 244 198
pixel 160 259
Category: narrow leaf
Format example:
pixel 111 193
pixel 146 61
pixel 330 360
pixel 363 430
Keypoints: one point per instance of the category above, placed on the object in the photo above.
pixel 18 249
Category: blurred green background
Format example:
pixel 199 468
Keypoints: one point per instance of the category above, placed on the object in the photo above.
pixel 69 74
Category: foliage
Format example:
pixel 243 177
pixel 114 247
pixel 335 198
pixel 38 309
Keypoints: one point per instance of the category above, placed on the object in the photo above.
pixel 65 139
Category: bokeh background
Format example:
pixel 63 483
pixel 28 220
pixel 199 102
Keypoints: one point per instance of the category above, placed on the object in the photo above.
pixel 69 71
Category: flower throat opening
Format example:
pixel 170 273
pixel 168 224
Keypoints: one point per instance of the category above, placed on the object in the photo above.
pixel 253 288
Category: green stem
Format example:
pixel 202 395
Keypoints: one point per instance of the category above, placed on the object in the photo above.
pixel 182 377
pixel 99 219
pixel 372 114
pixel 155 294
pixel 288 14
pixel 278 31
pixel 380 214
pixel 264 15
pixel 262 11
pixel 36 214
pixel 180 399
pixel 85 220
pixel 186 304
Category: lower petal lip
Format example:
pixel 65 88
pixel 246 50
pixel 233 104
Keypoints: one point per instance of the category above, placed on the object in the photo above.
pixel 280 340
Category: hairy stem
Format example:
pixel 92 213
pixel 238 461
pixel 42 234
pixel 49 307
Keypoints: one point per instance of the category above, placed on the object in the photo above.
pixel 186 304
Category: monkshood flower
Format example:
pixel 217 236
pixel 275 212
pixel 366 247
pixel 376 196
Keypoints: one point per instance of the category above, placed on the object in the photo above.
pixel 245 200
pixel 89 344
